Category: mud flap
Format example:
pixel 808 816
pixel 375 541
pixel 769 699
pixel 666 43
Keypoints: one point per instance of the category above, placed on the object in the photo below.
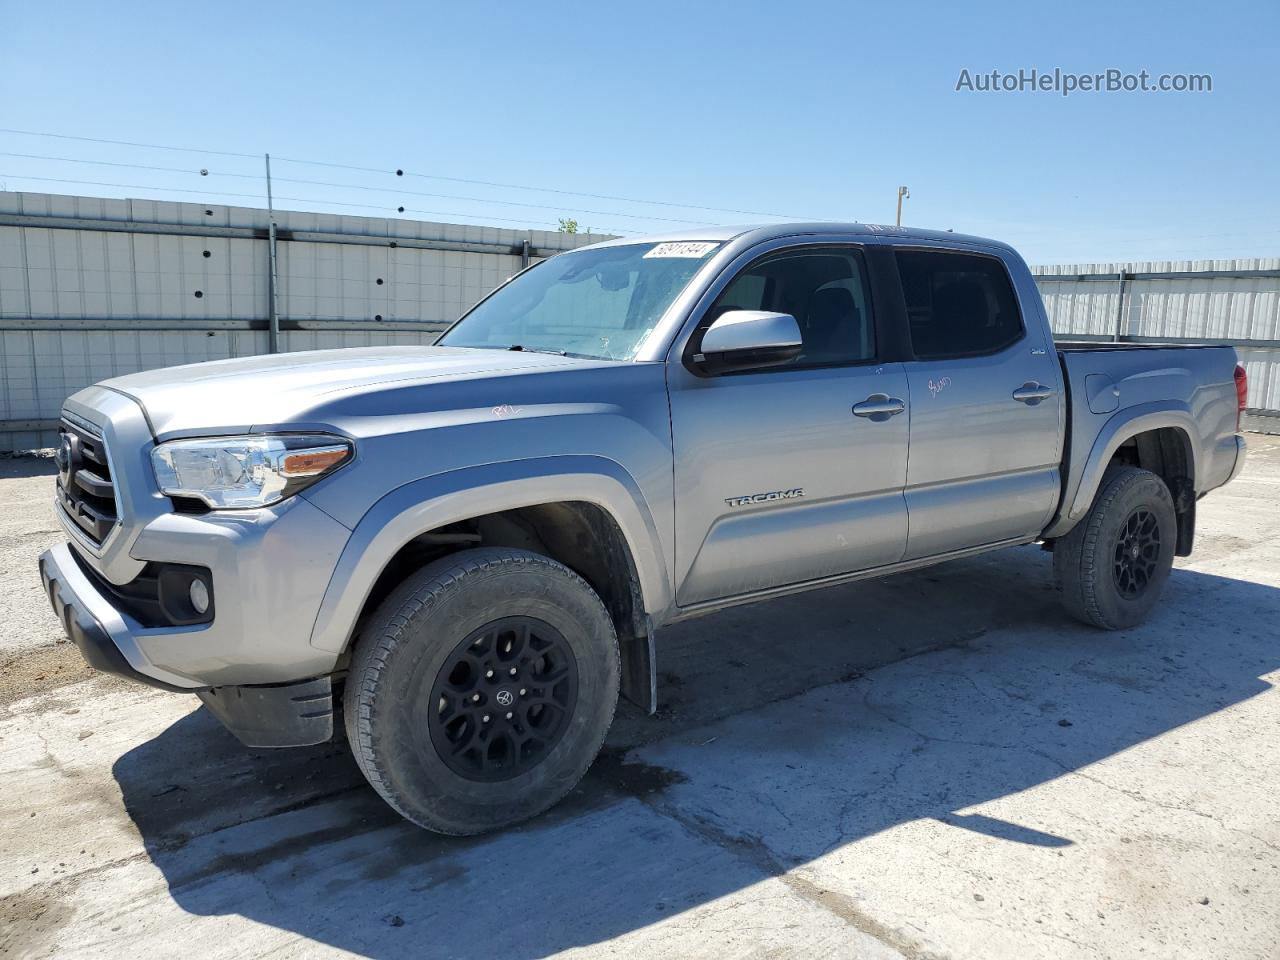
pixel 283 715
pixel 639 683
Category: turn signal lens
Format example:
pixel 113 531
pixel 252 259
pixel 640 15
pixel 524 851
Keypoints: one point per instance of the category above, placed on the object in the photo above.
pixel 311 463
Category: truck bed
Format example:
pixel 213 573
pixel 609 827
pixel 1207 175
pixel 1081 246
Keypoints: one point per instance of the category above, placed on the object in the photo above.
pixel 1185 387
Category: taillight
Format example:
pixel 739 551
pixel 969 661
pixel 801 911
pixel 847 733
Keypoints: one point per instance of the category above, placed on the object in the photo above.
pixel 1242 393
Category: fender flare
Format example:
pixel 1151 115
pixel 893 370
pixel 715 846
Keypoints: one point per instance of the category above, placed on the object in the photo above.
pixel 432 502
pixel 1122 427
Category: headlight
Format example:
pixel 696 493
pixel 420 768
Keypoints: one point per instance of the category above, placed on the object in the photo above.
pixel 229 472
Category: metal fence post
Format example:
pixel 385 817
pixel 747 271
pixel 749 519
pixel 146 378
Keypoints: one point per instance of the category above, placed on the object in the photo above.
pixel 273 326
pixel 1119 331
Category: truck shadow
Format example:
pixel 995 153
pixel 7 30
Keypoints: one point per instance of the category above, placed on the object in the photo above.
pixel 788 731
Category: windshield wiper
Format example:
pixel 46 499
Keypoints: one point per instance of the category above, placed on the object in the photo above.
pixel 523 349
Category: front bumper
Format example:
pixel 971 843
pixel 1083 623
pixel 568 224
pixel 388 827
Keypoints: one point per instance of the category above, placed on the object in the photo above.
pixel 269 571
pixel 272 715
pixel 95 626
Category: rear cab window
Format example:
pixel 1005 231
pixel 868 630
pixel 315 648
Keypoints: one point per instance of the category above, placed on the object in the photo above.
pixel 958 304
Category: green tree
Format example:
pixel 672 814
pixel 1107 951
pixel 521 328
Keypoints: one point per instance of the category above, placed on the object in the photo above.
pixel 568 225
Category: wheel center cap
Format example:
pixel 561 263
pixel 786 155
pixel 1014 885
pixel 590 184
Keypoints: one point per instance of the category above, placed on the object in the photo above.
pixel 505 698
pixel 1134 551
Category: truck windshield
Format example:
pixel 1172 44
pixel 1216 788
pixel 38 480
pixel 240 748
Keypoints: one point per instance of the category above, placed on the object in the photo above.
pixel 599 303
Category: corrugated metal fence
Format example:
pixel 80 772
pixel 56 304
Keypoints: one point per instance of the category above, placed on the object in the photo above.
pixel 94 288
pixel 1214 301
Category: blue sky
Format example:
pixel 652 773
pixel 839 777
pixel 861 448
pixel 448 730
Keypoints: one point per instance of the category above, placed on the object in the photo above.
pixel 809 109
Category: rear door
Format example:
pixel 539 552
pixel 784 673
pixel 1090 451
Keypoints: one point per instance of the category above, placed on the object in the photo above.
pixel 986 419
pixel 778 480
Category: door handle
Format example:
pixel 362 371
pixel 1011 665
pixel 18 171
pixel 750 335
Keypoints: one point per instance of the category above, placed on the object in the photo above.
pixel 1032 393
pixel 878 407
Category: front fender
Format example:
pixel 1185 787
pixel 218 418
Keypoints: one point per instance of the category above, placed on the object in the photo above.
pixel 430 503
pixel 1123 426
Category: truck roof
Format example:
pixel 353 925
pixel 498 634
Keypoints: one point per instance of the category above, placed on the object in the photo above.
pixel 771 231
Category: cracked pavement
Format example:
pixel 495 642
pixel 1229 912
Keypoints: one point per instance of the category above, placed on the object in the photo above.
pixel 937 765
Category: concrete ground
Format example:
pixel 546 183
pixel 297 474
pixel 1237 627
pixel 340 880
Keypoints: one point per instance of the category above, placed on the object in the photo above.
pixel 934 765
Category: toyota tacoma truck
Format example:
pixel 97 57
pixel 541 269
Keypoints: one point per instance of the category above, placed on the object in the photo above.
pixel 459 555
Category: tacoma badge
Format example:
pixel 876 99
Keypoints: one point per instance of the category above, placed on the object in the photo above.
pixel 765 497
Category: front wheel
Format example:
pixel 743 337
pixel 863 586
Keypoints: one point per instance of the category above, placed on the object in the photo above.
pixel 1113 564
pixel 482 689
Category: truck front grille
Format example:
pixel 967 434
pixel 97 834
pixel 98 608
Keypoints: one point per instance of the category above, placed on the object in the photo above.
pixel 86 490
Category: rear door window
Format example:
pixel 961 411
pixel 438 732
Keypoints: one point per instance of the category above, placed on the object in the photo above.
pixel 958 304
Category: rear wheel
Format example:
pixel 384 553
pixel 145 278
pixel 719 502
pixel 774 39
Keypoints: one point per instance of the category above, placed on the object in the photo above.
pixel 482 689
pixel 1113 564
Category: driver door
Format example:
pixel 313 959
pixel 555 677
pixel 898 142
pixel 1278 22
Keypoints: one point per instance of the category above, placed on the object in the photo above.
pixel 778 480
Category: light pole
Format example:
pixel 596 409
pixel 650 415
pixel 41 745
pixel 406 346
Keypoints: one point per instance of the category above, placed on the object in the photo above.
pixel 273 322
pixel 903 194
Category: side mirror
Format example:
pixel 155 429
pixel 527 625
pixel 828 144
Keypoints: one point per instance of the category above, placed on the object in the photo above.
pixel 748 340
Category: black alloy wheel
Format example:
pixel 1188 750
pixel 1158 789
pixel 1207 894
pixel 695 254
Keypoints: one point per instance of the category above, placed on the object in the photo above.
pixel 1137 553
pixel 504 698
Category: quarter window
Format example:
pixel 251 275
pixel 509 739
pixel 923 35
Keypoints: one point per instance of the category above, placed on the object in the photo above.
pixel 958 304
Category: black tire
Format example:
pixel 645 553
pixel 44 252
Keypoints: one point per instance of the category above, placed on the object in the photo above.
pixel 1113 564
pixel 540 616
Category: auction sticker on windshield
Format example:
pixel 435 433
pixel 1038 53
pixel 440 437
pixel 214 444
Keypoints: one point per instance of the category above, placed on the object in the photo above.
pixel 691 249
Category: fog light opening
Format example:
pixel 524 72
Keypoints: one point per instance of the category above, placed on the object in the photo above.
pixel 199 594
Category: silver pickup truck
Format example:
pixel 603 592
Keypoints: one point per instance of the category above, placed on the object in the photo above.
pixel 459 554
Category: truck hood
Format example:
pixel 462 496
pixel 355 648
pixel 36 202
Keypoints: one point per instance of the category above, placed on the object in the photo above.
pixel 237 396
